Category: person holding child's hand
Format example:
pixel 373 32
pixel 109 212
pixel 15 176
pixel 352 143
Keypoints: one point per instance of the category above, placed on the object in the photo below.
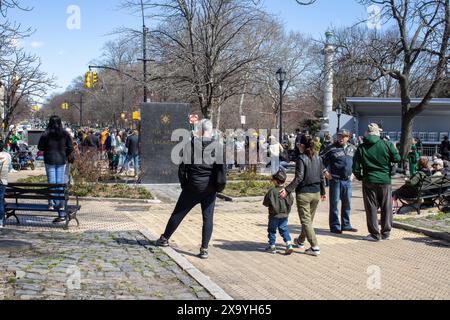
pixel 309 185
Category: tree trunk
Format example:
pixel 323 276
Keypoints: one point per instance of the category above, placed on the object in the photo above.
pixel 406 139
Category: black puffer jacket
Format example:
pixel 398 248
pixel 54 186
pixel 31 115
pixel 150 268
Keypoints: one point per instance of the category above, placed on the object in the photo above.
pixel 202 178
pixel 308 172
pixel 56 149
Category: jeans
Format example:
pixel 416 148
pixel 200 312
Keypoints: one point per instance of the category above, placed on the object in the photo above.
pixel 56 175
pixel 340 190
pixel 135 163
pixel 282 226
pixel 187 201
pixel 2 201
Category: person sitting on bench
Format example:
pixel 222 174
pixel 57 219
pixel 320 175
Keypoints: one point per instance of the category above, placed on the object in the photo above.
pixel 411 188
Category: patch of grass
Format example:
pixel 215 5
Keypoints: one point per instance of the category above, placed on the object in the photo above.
pixel 248 176
pixel 439 217
pixel 247 188
pixel 12 280
pixel 99 190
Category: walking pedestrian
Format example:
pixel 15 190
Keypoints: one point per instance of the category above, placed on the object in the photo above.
pixel 309 185
pixel 132 146
pixel 200 184
pixel 279 210
pixel 372 166
pixel 338 162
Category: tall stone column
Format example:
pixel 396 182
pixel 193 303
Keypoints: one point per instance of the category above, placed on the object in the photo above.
pixel 328 84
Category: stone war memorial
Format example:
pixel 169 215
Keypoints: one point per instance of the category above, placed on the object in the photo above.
pixel 159 121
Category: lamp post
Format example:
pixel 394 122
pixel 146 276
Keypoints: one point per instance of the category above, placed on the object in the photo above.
pixel 339 114
pixel 281 77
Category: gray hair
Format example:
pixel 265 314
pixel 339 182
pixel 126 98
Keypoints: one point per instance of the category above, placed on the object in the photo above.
pixel 207 127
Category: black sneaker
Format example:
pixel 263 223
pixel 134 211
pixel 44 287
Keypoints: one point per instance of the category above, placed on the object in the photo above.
pixel 60 220
pixel 386 237
pixel 162 242
pixel 203 254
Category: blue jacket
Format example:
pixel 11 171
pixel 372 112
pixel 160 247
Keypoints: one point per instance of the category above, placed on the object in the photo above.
pixel 339 162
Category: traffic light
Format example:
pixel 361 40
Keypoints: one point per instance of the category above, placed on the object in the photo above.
pixel 94 79
pixel 123 115
pixel 87 80
pixel 65 106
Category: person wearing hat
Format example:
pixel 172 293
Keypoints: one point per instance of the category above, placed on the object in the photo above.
pixel 372 166
pixel 279 210
pixel 338 162
pixel 413 158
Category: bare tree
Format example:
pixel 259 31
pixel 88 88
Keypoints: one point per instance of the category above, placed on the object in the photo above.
pixel 198 47
pixel 420 41
pixel 24 81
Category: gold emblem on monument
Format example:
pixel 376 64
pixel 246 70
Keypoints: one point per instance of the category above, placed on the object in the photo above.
pixel 165 119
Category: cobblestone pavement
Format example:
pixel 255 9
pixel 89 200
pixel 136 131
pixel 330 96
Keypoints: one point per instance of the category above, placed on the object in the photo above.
pixel 106 258
pixel 409 266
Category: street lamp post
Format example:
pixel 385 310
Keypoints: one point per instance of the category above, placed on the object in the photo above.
pixel 339 114
pixel 281 77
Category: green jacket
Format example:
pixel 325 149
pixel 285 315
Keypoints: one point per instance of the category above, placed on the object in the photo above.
pixel 373 160
pixel 278 208
pixel 15 138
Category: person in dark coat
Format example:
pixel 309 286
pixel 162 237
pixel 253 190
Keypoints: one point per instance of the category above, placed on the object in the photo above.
pixel 57 145
pixel 200 184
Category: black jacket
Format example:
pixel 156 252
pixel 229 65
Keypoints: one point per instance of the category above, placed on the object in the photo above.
pixel 56 149
pixel 202 178
pixel 92 141
pixel 133 145
pixel 308 172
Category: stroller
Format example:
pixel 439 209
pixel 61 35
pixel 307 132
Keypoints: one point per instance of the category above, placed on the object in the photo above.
pixel 23 159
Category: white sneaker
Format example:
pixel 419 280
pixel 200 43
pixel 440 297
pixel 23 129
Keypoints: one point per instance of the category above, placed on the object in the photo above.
pixel 14 171
pixel 313 252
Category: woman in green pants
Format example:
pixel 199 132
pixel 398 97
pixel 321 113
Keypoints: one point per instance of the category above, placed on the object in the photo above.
pixel 309 185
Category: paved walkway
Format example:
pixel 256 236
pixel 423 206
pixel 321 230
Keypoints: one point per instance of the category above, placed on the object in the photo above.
pixel 106 258
pixel 409 266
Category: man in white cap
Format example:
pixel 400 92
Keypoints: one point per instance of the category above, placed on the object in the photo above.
pixel 372 165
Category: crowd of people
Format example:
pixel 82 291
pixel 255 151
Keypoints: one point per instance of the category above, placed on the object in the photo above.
pixel 119 147
pixel 318 163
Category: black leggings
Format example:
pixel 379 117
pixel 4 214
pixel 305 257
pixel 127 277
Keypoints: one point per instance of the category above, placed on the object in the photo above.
pixel 187 201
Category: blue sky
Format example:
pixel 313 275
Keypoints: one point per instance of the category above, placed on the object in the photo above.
pixel 66 53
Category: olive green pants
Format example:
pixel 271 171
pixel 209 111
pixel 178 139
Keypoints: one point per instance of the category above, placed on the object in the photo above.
pixel 307 204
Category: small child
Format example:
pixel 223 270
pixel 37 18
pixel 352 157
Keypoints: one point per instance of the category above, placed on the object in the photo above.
pixel 279 210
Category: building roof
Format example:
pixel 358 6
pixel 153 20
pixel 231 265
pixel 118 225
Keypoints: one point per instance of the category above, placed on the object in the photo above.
pixel 392 106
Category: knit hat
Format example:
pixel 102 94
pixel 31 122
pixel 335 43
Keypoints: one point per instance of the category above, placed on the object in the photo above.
pixel 280 176
pixel 374 130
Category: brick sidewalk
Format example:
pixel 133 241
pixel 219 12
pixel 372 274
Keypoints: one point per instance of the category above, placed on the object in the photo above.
pixel 106 258
pixel 412 266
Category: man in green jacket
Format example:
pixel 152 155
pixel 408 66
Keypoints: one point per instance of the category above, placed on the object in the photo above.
pixel 372 165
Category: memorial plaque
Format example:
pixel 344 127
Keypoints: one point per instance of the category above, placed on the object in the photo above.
pixel 159 121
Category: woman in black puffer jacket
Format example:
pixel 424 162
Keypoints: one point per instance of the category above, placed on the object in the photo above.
pixel 56 143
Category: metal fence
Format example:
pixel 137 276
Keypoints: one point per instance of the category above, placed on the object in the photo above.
pixel 429 151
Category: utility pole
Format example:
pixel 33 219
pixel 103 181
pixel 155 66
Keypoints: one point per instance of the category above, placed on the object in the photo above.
pixel 144 52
